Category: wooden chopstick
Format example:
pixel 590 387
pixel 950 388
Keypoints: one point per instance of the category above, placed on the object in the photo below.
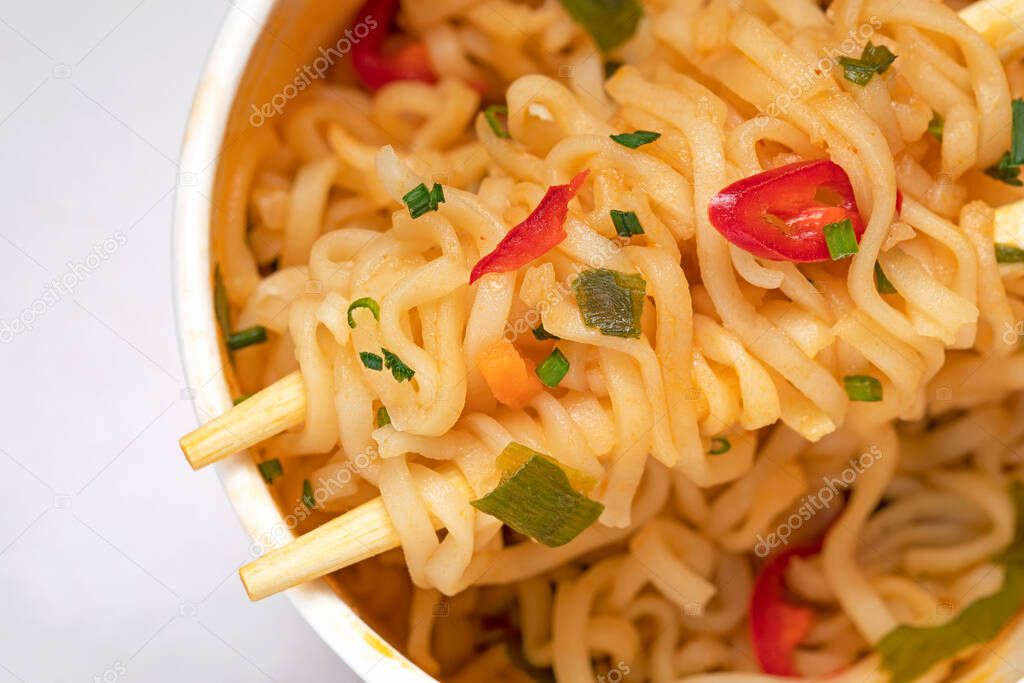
pixel 999 22
pixel 357 535
pixel 266 413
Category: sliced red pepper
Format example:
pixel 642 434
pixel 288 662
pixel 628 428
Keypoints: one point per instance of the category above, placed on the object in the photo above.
pixel 372 65
pixel 780 214
pixel 542 230
pixel 776 625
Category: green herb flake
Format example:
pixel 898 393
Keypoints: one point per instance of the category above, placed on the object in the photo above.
pixel 399 370
pixel 270 470
pixel 611 301
pixel 553 368
pixel 909 651
pixel 719 446
pixel 840 239
pixel 382 417
pixel 636 138
pixel 862 388
pixel 609 22
pixel 221 307
pixel 367 303
pixel 540 334
pixel 875 59
pixel 1008 253
pixel 537 500
pixel 936 125
pixel 626 223
pixel 420 200
pixel 257 334
pixel 1005 171
pixel 308 499
pixel 492 113
pixel 882 283
pixel 371 360
pixel 244 397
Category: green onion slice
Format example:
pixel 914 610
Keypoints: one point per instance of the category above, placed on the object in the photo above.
pixel 399 370
pixel 537 499
pixel 862 388
pixel 840 239
pixel 882 283
pixel 719 445
pixel 371 360
pixel 367 303
pixel 308 499
pixel 936 125
pixel 636 138
pixel 1007 253
pixel 492 113
pixel 270 470
pixel 553 368
pixel 610 67
pixel 420 200
pixel 257 334
pixel 1017 134
pixel 1005 171
pixel 611 301
pixel 609 22
pixel 626 223
pixel 244 397
pixel 540 334
pixel 382 417
pixel 909 651
pixel 875 59
pixel 515 455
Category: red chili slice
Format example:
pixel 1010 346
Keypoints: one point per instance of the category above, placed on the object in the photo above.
pixel 780 214
pixel 542 230
pixel 778 626
pixel 376 69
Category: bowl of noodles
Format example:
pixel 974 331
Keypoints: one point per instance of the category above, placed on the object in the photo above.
pixel 618 341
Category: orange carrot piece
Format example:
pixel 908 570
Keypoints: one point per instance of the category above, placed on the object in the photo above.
pixel 511 379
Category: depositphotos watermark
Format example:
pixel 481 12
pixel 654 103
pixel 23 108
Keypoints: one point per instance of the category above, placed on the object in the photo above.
pixel 813 504
pixel 60 287
pixel 307 74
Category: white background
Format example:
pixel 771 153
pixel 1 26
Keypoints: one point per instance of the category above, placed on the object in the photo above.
pixel 117 562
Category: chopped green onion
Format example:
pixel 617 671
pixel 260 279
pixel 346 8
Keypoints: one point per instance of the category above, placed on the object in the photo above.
pixel 626 223
pixel 257 334
pixel 308 499
pixel 611 301
pixel 371 360
pixel 1017 133
pixel 1005 171
pixel 840 239
pixel 610 67
pixel 936 125
pixel 243 397
pixel 882 283
pixel 609 22
pixel 270 470
pixel 537 499
pixel 553 368
pixel 875 59
pixel 1007 253
pixel 515 455
pixel 492 113
pixel 636 138
pixel 220 302
pixel 420 200
pixel 399 370
pixel 862 388
pixel 365 302
pixel 719 445
pixel 540 334
pixel 382 417
pixel 909 651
